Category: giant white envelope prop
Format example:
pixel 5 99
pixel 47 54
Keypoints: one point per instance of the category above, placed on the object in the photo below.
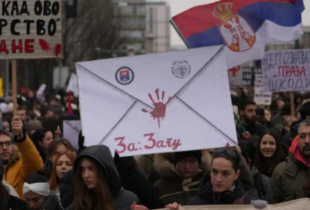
pixel 175 101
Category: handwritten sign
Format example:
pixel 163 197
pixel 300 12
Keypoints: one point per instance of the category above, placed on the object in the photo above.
pixel 287 71
pixel 261 97
pixel 30 29
pixel 71 127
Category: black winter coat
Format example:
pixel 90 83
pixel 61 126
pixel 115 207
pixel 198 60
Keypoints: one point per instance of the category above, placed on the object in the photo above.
pixel 206 195
pixel 16 204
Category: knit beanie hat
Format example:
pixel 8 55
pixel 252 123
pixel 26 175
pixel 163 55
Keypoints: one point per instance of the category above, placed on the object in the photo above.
pixel 195 154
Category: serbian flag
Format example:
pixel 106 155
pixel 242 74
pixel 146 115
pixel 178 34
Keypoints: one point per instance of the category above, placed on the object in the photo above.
pixel 244 26
pixel 69 108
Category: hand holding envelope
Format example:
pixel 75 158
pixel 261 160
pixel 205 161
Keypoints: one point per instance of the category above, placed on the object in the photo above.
pixel 156 103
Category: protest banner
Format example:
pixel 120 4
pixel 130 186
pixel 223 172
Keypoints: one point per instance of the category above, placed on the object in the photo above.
pixel 261 97
pixel 30 29
pixel 70 128
pixel 286 71
pixel 300 204
pixel 176 110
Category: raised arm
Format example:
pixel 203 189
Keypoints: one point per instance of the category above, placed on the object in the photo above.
pixel 30 157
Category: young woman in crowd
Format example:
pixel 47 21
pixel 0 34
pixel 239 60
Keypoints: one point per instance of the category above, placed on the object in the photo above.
pixel 62 165
pixel 56 148
pixel 7 201
pixel 224 187
pixel 97 183
pixel 38 195
pixel 269 153
pixel 42 139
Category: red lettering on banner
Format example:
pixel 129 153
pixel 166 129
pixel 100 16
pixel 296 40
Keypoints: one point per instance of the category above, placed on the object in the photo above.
pixel 291 71
pixel 151 143
pixel 17 46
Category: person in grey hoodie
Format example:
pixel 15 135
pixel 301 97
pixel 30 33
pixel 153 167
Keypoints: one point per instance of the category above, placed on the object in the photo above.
pixel 97 182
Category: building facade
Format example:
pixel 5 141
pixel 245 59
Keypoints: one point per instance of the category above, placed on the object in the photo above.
pixel 157 27
pixel 131 15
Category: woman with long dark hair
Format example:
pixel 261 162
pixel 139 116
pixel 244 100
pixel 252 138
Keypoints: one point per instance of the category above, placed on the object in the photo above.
pixel 8 202
pixel 269 152
pixel 97 183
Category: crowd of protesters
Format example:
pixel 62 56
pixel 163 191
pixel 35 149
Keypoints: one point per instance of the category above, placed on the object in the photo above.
pixel 39 169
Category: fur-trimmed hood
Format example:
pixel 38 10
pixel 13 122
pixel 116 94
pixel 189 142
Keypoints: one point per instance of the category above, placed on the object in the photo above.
pixel 165 167
pixel 15 157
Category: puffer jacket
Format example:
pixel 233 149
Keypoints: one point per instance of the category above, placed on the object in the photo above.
pixel 206 195
pixel 24 161
pixel 288 177
pixel 123 199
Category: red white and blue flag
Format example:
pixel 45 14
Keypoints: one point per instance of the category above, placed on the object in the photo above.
pixel 244 26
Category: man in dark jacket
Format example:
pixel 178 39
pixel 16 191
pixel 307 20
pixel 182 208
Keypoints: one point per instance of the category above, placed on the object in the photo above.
pixel 288 176
pixel 247 113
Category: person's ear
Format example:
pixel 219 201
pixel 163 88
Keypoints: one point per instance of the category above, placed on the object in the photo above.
pixel 237 174
pixel 241 112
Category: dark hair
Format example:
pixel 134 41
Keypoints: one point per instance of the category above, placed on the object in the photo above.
pixel 267 165
pixel 4 196
pixel 35 178
pixel 5 133
pixel 229 155
pixel 20 108
pixel 304 112
pixel 247 151
pixel 244 103
pixel 286 110
pixel 90 199
pixel 54 144
pixel 51 123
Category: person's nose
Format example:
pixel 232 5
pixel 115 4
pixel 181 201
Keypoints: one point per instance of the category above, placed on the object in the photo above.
pixel 267 146
pixel 86 174
pixel 218 178
pixel 187 165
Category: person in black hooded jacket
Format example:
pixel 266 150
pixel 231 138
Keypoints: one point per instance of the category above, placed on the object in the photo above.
pixel 97 182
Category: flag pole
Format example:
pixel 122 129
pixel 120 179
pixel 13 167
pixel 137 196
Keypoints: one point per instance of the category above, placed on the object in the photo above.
pixel 239 122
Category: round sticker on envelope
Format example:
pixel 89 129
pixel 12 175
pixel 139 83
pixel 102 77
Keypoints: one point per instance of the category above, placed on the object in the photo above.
pixel 124 76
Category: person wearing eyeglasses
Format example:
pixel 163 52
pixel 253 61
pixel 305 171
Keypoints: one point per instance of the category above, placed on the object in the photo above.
pixel 20 159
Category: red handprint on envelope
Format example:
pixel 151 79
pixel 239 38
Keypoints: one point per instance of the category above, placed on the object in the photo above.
pixel 159 111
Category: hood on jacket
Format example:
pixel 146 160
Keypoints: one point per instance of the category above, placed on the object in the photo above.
pixel 295 151
pixel 206 192
pixel 102 155
pixel 52 203
pixel 164 164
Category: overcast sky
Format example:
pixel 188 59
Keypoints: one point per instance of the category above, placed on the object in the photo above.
pixel 178 6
